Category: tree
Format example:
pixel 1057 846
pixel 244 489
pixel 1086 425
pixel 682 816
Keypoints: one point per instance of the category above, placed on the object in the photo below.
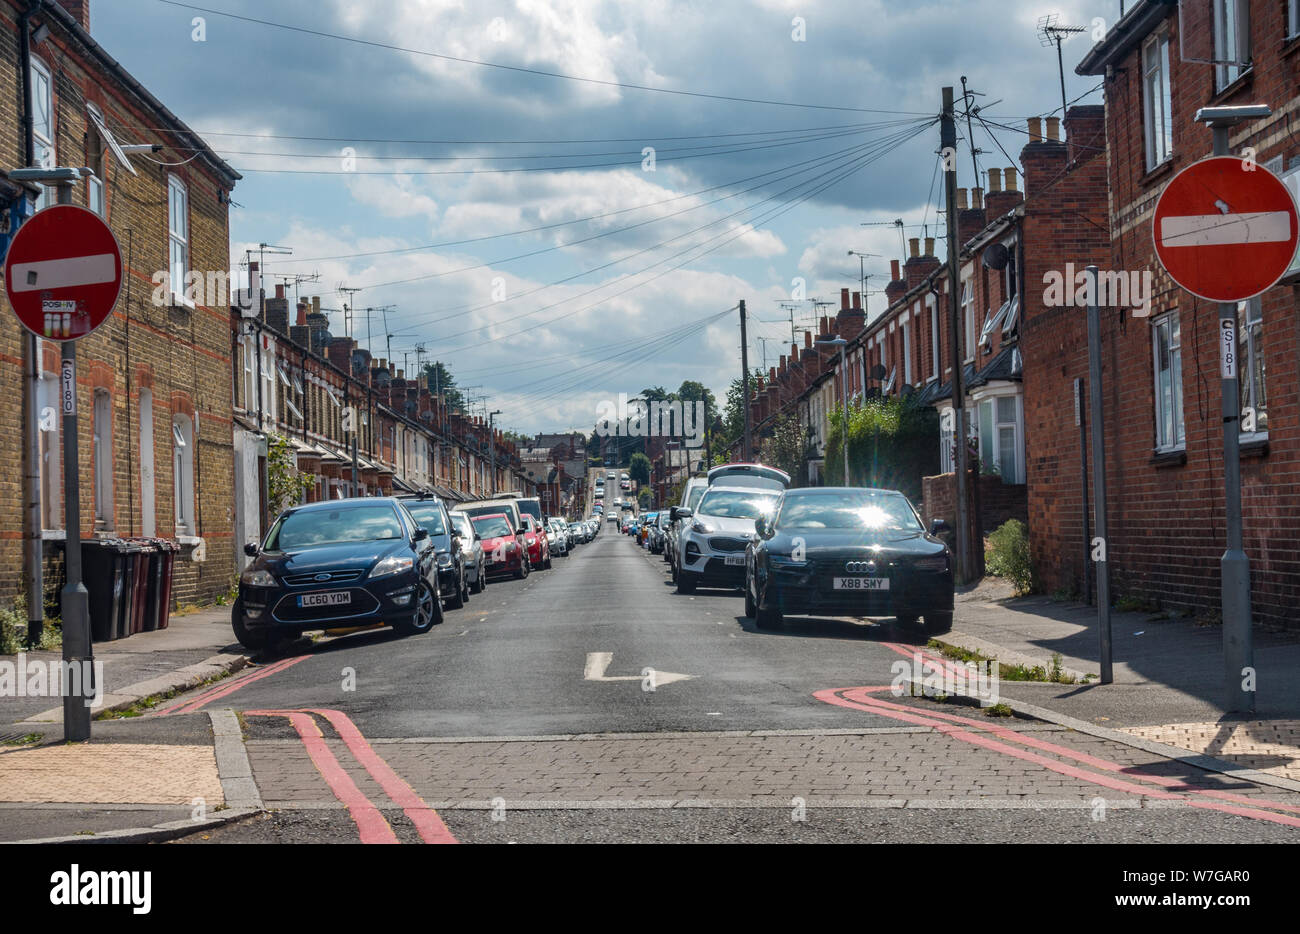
pixel 786 445
pixel 285 486
pixel 439 379
pixel 656 394
pixel 640 468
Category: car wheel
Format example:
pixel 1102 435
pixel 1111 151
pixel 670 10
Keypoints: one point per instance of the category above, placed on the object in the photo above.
pixel 428 613
pixel 457 599
pixel 523 569
pixel 685 582
pixel 248 638
pixel 768 616
pixel 750 608
pixel 549 561
pixel 464 586
pixel 938 622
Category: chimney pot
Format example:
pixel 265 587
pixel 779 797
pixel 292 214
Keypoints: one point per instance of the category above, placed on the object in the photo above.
pixel 995 180
pixel 961 199
pixel 857 301
pixel 1009 176
pixel 279 290
pixel 1035 129
pixel 929 246
pixel 977 198
pixel 914 247
pixel 844 299
pixel 807 340
pixel 1054 129
pixel 894 271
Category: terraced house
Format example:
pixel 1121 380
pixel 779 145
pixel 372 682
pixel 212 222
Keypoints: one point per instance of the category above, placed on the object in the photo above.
pixel 152 381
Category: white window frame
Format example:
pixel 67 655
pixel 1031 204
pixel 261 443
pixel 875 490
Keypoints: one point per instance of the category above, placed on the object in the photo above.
pixel 1157 118
pixel 44 131
pixel 934 336
pixel 1175 439
pixel 183 473
pixel 102 457
pixel 907 352
pixel 992 445
pixel 178 239
pixel 1231 29
pixel 1250 320
pixel 968 316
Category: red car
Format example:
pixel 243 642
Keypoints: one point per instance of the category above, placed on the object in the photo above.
pixel 504 552
pixel 539 549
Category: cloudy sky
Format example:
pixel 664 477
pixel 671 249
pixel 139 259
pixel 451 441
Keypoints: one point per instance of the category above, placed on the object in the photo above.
pixel 513 222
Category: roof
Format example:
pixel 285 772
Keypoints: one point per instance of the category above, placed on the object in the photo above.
pixel 1005 366
pixel 1131 28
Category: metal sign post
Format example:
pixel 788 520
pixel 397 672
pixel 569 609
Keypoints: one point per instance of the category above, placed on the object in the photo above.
pixel 1100 544
pixel 63 274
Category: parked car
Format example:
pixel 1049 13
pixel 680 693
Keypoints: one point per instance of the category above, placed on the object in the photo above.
pixel 643 530
pixel 539 549
pixel 658 529
pixel 555 538
pixel 528 505
pixel 691 493
pixel 745 474
pixel 471 545
pixel 714 540
pixel 505 553
pixel 848 551
pixel 485 507
pixel 431 513
pixel 338 563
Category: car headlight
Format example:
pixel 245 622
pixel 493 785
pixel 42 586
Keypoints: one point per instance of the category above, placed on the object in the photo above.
pixel 937 563
pixel 257 578
pixel 393 564
pixel 786 561
pixel 698 526
pixel 445 559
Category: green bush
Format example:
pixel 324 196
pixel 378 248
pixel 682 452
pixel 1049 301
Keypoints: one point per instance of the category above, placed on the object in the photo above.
pixel 13 629
pixel 1008 555
pixel 893 443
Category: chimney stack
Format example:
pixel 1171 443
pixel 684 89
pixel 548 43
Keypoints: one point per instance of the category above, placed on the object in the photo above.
pixel 917 266
pixel 897 286
pixel 1006 197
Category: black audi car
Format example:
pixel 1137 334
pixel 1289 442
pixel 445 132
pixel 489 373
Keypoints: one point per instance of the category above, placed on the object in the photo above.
pixel 338 563
pixel 848 551
pixel 432 515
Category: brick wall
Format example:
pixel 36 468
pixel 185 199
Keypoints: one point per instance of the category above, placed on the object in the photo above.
pixel 180 354
pixel 998 501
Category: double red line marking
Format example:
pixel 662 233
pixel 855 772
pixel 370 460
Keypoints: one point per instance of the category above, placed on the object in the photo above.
pixel 370 821
pixel 956 727
pixel 221 690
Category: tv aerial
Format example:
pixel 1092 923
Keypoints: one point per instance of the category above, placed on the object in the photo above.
pixel 1051 32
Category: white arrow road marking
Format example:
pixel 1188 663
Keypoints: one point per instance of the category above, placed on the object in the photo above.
pixel 1218 229
pixel 62 273
pixel 598 662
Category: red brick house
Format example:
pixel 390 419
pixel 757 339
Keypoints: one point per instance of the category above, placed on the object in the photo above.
pixel 1163 429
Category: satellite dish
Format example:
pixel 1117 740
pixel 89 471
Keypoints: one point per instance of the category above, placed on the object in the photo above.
pixel 878 371
pixel 995 256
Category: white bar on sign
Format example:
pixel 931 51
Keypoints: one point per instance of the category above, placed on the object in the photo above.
pixel 63 273
pixel 1221 229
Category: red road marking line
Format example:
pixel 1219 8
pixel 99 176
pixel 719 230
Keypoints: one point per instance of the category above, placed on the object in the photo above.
pixel 221 691
pixel 370 822
pixel 1171 784
pixel 861 700
pixel 425 818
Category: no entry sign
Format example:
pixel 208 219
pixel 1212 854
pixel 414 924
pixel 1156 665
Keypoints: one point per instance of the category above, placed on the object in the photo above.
pixel 1224 229
pixel 63 272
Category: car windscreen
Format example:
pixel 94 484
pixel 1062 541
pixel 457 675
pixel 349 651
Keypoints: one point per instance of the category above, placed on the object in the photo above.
pixel 694 499
pixel 530 507
pixel 737 504
pixel 850 509
pixel 492 526
pixel 428 515
pixel 461 523
pixel 309 527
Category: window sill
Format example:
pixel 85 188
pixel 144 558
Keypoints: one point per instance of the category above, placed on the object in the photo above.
pixel 1252 446
pixel 1176 457
pixel 189 540
pixel 181 302
pixel 1158 173
pixel 1243 81
pixel 53 535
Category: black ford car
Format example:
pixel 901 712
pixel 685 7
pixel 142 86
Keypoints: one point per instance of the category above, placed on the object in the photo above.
pixel 848 551
pixel 338 563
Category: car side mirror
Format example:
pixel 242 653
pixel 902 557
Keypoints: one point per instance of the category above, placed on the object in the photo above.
pixel 421 534
pixel 760 526
pixel 939 526
pixel 250 549
pixel 672 514
pixel 685 513
pixel 521 531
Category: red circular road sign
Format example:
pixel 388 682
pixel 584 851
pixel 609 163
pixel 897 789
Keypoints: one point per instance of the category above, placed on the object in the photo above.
pixel 63 272
pixel 1224 233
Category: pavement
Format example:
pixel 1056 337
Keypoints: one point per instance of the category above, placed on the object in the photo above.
pixel 530 704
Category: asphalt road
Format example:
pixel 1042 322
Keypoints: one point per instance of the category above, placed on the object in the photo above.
pixel 526 717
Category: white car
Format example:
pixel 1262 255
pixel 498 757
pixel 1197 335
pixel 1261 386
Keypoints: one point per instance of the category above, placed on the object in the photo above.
pixel 713 536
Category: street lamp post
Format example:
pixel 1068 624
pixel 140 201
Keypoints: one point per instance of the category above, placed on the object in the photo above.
pixel 841 343
pixel 492 452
